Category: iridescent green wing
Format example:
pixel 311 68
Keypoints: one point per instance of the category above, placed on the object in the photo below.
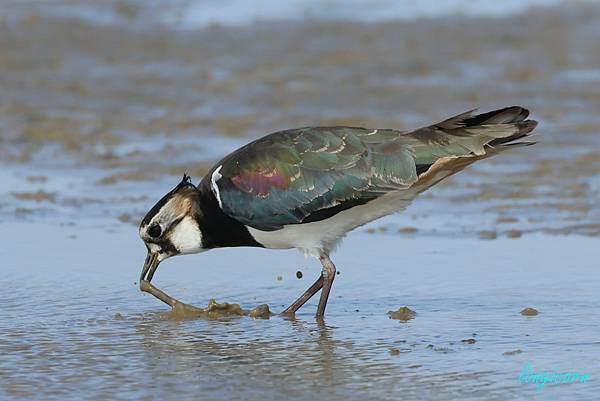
pixel 309 174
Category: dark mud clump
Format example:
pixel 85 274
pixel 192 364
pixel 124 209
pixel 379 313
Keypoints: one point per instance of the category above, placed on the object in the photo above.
pixel 299 274
pixel 507 219
pixel 23 211
pixel 124 218
pixel 39 196
pixel 395 351
pixel 469 341
pixel 515 352
pixel 487 235
pixel 216 310
pixel 514 233
pixel 529 312
pixel 129 219
pixel 37 178
pixel 403 314
pixel 131 176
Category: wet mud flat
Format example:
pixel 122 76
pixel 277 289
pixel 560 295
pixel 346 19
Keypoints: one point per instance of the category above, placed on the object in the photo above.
pixel 123 105
pixel 100 119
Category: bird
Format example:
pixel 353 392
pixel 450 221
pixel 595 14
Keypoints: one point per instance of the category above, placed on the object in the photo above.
pixel 306 188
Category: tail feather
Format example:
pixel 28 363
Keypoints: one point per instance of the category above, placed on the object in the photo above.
pixel 507 115
pixel 524 127
pixel 469 138
pixel 475 132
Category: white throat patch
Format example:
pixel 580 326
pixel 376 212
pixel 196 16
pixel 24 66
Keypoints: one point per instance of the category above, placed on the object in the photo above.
pixel 216 176
pixel 186 236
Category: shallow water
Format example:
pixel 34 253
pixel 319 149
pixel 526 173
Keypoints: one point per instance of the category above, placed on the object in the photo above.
pixel 100 115
pixel 76 320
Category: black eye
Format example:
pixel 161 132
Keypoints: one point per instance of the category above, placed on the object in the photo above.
pixel 154 231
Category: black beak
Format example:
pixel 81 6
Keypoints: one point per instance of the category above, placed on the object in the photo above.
pixel 149 268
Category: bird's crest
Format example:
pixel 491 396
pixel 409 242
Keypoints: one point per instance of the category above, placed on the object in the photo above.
pixel 186 181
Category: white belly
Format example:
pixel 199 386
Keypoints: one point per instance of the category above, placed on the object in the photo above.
pixel 323 235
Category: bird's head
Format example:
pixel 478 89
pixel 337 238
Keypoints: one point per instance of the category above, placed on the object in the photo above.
pixel 171 226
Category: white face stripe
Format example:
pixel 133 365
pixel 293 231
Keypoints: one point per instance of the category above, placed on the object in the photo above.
pixel 213 184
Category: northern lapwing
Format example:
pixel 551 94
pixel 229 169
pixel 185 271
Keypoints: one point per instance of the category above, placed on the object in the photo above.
pixel 306 188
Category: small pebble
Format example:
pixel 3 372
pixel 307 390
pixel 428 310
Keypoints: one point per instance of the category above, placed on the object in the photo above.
pixel 279 278
pixel 403 314
pixel 299 274
pixel 529 312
